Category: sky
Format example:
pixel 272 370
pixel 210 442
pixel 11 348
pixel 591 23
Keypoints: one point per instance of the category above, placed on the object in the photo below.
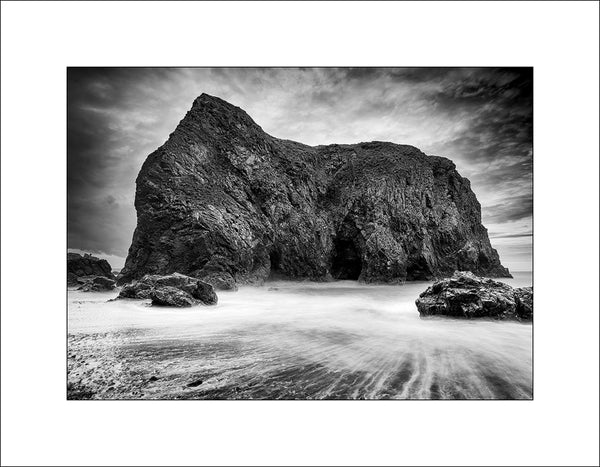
pixel 480 118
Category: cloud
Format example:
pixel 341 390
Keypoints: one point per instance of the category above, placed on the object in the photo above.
pixel 511 209
pixel 493 235
pixel 481 118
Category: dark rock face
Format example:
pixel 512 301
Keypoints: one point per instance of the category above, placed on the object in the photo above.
pixel 72 280
pixel 138 289
pixel 87 265
pixel 171 296
pixel 223 199
pixel 524 302
pixel 465 295
pixel 96 284
pixel 219 280
pixel 171 290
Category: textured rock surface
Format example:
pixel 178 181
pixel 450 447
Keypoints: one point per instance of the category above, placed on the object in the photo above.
pixel 96 284
pixel 171 296
pixel 86 265
pixel 72 280
pixel 221 198
pixel 465 295
pixel 170 290
pixel 524 302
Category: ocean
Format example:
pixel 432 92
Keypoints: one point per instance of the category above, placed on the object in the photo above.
pixel 294 340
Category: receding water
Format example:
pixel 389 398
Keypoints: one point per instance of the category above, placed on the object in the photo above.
pixel 294 340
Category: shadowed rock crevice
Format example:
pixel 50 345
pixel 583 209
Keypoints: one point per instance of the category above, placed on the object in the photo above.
pixel 346 262
pixel 419 270
pixel 225 202
pixel 348 246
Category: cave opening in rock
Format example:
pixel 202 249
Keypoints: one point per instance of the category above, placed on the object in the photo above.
pixel 418 270
pixel 275 260
pixel 346 262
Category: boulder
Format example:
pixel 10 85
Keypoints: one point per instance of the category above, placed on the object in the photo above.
pixel 524 301
pixel 171 296
pixel 224 201
pixel 96 284
pixel 161 290
pixel 83 269
pixel 137 289
pixel 72 280
pixel 465 295
pixel 202 291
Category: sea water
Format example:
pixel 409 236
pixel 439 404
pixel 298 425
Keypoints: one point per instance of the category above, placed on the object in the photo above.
pixel 294 340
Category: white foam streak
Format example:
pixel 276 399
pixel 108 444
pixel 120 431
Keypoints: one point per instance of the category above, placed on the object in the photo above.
pixel 295 340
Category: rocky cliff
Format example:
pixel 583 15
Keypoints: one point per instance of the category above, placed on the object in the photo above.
pixel 224 201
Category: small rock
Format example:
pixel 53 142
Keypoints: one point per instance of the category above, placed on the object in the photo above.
pixel 96 284
pixel 171 290
pixel 193 384
pixel 202 291
pixel 153 378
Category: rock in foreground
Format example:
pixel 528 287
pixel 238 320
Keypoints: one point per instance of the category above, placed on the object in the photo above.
pixel 465 295
pixel 171 296
pixel 524 302
pixel 89 273
pixel 175 290
pixel 87 265
pixel 225 202
pixel 96 284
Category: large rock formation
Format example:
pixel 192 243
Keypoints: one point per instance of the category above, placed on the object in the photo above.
pixel 221 198
pixel 465 295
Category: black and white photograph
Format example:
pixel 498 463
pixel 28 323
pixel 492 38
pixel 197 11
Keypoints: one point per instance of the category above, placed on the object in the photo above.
pixel 222 245
pixel 300 233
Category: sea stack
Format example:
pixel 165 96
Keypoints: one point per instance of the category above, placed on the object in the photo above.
pixel 224 201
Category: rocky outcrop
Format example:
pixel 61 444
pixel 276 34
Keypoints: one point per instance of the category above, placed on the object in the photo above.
pixel 171 290
pixel 465 295
pixel 219 280
pixel 171 296
pixel 89 274
pixel 87 265
pixel 96 284
pixel 524 302
pixel 222 199
pixel 72 280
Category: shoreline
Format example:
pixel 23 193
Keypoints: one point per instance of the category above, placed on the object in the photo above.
pixel 299 340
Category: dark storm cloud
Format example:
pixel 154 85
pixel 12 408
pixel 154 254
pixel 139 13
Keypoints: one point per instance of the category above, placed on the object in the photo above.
pixel 479 118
